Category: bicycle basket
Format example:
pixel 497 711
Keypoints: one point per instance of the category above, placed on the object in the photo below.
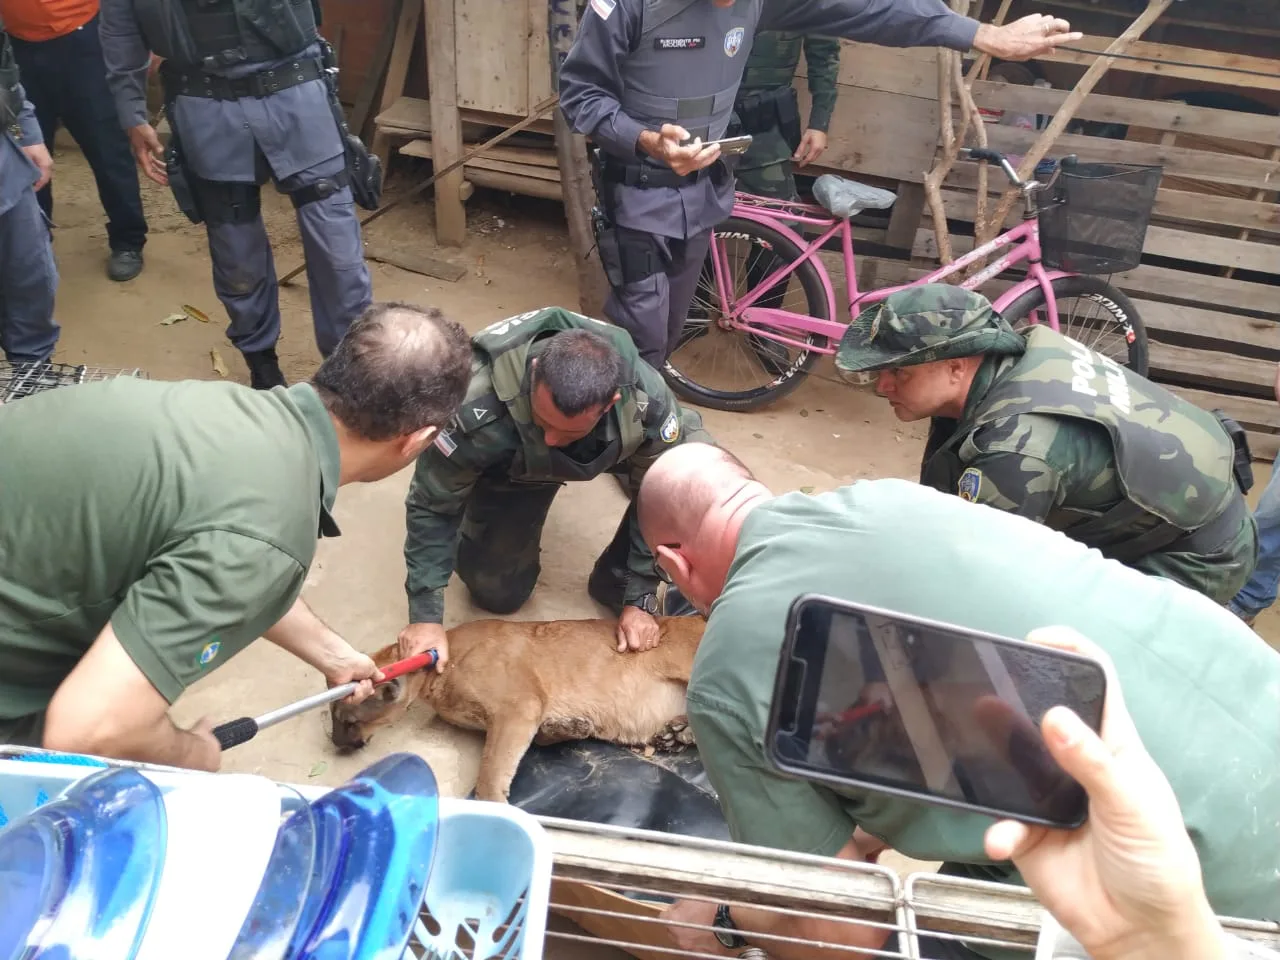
pixel 18 380
pixel 1094 217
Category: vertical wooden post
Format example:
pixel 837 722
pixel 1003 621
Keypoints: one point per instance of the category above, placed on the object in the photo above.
pixel 576 189
pixel 446 126
pixel 397 72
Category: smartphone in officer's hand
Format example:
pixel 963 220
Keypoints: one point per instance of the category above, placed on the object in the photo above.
pixel 896 704
pixel 730 146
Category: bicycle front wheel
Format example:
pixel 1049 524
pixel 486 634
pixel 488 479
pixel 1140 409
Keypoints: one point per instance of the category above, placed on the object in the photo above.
pixel 717 366
pixel 1092 312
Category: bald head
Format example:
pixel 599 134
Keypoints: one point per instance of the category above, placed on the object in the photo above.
pixel 398 370
pixel 683 486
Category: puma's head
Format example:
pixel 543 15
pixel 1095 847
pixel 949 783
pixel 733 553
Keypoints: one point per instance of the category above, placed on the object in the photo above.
pixel 353 726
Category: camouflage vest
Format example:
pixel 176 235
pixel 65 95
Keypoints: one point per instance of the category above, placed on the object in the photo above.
pixel 503 348
pixel 1173 459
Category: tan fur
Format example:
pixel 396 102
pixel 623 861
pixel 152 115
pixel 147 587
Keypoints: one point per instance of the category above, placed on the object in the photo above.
pixel 540 682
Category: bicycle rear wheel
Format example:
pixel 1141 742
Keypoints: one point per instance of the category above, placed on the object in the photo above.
pixel 716 366
pixel 1092 312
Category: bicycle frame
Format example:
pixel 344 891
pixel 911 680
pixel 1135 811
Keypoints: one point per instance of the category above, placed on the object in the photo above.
pixel 774 324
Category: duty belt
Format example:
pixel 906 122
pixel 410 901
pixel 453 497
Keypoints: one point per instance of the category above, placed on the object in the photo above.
pixel 198 83
pixel 1206 540
pixel 644 176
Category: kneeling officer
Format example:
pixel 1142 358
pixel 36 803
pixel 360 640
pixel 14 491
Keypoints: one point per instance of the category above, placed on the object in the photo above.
pixel 1039 425
pixel 554 397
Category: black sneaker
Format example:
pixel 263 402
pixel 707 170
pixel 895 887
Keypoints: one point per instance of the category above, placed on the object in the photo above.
pixel 264 369
pixel 124 265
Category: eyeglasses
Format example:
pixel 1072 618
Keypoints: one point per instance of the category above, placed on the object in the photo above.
pixel 663 575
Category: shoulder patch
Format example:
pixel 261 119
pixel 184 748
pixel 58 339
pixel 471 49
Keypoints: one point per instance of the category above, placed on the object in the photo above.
pixel 444 441
pixel 603 8
pixel 670 431
pixel 969 484
pixel 475 412
pixel 733 41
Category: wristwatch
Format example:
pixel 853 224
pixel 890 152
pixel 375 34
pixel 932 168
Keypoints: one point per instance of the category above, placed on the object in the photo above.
pixel 648 603
pixel 726 930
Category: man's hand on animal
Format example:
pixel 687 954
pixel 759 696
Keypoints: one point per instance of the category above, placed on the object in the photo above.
pixel 812 145
pixel 38 154
pixel 149 153
pixel 1026 38
pixel 1127 884
pixel 637 630
pixel 665 145
pixel 418 638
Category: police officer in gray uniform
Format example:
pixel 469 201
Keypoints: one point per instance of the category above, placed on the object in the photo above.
pixel 28 277
pixel 645 76
pixel 250 95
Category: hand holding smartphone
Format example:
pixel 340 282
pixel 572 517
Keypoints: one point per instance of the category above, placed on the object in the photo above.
pixel 729 146
pixel 885 702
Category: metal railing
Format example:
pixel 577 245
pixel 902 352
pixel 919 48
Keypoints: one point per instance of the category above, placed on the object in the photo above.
pixel 18 380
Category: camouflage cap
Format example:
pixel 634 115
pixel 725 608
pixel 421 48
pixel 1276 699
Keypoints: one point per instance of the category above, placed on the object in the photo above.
pixel 936 321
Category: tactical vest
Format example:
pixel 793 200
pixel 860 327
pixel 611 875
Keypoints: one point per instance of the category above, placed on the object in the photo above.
pixel 1173 460
pixel 504 348
pixel 215 34
pixel 687 64
pixel 10 99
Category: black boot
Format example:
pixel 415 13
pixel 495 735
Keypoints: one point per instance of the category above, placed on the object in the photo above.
pixel 264 369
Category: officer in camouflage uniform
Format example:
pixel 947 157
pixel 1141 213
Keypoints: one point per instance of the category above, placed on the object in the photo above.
pixel 1039 425
pixel 554 397
pixel 768 109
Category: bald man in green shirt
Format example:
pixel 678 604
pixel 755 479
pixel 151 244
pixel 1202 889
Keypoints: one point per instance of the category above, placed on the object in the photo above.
pixel 150 531
pixel 1203 689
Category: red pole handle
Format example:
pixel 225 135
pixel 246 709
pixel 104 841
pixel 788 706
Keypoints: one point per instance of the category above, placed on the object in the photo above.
pixel 409 664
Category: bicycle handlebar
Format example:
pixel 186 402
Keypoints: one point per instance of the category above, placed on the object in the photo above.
pixel 998 158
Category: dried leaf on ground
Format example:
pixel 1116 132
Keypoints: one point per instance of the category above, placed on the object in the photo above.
pixel 172 319
pixel 317 768
pixel 195 314
pixel 219 365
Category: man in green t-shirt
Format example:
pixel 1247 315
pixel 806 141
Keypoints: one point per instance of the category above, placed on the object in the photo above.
pixel 1203 689
pixel 150 531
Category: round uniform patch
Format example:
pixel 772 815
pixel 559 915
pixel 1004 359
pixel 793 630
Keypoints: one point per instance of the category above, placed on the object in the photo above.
pixel 670 429
pixel 209 652
pixel 733 41
pixel 969 484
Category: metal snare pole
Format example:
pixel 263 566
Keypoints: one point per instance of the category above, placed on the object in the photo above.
pixel 243 729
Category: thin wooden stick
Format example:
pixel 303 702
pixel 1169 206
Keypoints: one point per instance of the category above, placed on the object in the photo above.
pixel 539 110
pixel 1066 113
pixel 933 179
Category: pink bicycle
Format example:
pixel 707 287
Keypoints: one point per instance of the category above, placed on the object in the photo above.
pixel 743 347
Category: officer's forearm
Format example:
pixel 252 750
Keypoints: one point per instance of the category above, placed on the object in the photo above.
pixel 307 637
pixel 127 59
pixel 426 605
pixel 27 122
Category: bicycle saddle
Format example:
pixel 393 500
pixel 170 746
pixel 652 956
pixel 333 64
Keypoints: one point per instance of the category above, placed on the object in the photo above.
pixel 846 198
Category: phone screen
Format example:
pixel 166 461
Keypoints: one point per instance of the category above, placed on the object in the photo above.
pixel 884 701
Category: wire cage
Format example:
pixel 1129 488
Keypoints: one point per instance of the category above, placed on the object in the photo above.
pixel 1094 216
pixel 611 885
pixel 18 380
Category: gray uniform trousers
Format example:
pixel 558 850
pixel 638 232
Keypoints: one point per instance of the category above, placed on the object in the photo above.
pixel 28 275
pixel 244 275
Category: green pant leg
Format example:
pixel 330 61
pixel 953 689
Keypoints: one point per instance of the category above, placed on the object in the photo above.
pixel 499 546
pixel 775 181
pixel 25 731
pixel 1219 576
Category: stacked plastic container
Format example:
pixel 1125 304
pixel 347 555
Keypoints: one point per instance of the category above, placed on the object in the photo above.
pixel 121 863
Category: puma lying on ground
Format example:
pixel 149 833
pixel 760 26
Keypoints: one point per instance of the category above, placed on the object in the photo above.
pixel 537 682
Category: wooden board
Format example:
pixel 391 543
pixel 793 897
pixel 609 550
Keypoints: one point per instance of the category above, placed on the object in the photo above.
pixel 522 155
pixel 1156 115
pixel 1252 412
pixel 418 263
pixel 446 124
pixel 879 134
pixel 492 52
pixel 912 71
pixel 1212 368
pixel 526 186
pixel 1204 65
pixel 539 84
pixel 519 169
pixel 1177 161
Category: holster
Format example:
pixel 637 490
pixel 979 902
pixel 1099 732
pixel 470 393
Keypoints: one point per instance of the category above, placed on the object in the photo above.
pixel 364 170
pixel 627 257
pixel 1242 461
pixel 767 110
pixel 180 178
pixel 10 101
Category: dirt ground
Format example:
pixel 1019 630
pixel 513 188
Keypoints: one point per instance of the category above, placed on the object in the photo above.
pixel 517 257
